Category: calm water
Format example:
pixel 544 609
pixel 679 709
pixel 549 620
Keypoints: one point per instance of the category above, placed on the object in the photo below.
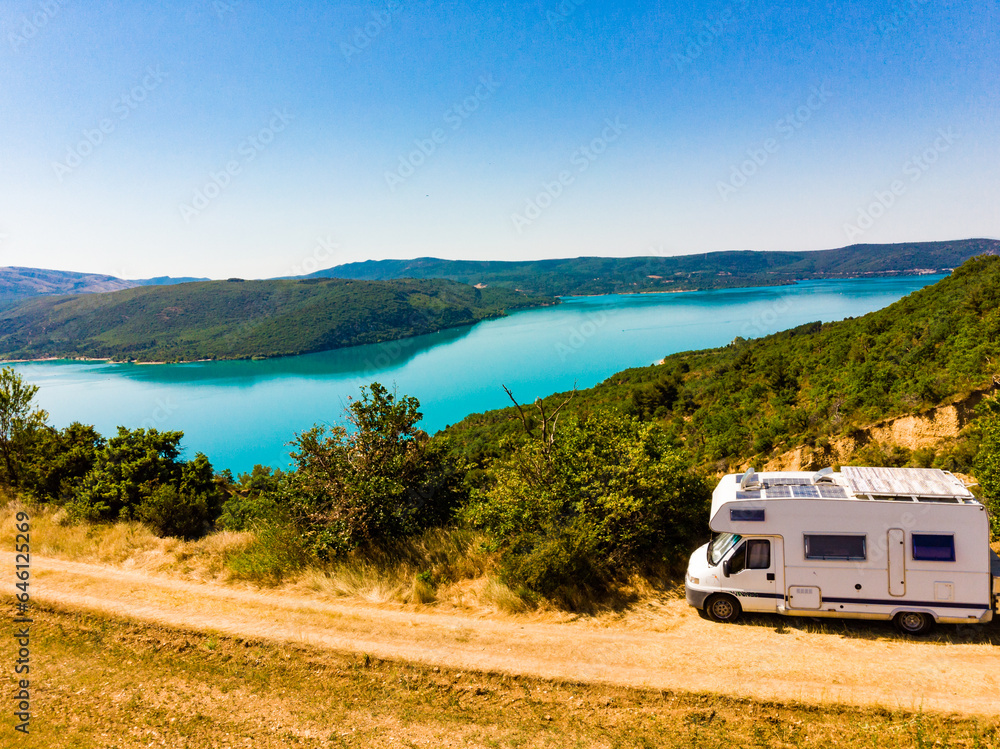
pixel 242 413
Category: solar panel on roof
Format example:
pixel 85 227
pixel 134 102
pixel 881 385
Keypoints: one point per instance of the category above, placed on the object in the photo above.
pixel 779 492
pixel 827 491
pixel 751 494
pixel 920 482
pixel 805 492
pixel 768 483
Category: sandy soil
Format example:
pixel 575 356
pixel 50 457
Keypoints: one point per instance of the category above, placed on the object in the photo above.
pixel 663 645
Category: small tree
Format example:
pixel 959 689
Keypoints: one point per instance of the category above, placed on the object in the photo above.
pixel 56 460
pixel 609 494
pixel 378 482
pixel 18 419
pixel 129 468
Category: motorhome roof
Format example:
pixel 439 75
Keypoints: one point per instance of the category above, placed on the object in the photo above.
pixel 851 483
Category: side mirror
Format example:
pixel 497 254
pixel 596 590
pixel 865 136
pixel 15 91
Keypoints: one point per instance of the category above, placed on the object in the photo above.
pixel 725 567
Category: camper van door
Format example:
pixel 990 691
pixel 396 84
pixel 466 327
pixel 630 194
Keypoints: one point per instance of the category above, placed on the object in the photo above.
pixel 753 566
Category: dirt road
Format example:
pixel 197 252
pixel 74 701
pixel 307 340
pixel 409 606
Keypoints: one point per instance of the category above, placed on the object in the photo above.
pixel 664 646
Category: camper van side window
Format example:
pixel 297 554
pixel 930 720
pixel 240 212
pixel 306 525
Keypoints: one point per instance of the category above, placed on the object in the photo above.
pixel 758 554
pixel 835 547
pixel 933 547
pixel 755 554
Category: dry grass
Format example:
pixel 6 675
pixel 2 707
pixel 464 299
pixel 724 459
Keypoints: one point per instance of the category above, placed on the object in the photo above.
pixel 129 545
pixel 445 567
pixel 108 683
pixel 440 566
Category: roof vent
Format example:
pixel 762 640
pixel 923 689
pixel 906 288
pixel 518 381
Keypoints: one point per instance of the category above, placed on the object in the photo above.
pixel 821 475
pixel 749 479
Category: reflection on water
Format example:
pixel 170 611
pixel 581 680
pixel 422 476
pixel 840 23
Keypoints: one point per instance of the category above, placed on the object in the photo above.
pixel 244 412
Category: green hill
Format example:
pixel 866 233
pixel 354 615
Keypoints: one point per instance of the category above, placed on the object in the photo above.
pixel 815 383
pixel 239 319
pixel 604 275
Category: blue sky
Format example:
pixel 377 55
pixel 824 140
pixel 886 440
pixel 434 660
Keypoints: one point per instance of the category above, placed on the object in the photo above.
pixel 241 137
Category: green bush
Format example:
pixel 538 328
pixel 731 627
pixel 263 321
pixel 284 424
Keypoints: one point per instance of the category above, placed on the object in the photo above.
pixel 378 483
pixel 137 475
pixel 170 512
pixel 127 470
pixel 276 551
pixel 254 499
pixel 987 467
pixel 609 495
pixel 57 460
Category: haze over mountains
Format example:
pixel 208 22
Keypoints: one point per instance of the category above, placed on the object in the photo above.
pixel 18 283
pixel 581 275
pixel 605 275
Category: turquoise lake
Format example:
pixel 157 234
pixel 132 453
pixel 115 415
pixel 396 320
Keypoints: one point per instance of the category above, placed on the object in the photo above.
pixel 241 413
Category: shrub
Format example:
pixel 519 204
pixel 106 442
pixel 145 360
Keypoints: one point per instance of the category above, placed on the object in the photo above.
pixel 137 476
pixel 254 499
pixel 172 512
pixel 57 460
pixel 128 469
pixel 576 514
pixel 276 551
pixel 987 467
pixel 379 483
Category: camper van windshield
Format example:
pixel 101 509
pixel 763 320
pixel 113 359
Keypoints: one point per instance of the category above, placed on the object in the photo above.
pixel 722 543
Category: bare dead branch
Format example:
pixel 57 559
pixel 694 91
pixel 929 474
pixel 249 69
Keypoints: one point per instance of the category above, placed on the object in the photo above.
pixel 524 420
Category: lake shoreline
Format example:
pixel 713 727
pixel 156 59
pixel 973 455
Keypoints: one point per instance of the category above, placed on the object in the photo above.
pixel 242 412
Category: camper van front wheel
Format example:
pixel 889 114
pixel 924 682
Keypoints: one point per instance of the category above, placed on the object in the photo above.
pixel 723 608
pixel 913 622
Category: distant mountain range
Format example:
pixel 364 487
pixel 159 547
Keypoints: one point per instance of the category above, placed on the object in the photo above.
pixel 47 313
pixel 581 275
pixel 605 275
pixel 18 283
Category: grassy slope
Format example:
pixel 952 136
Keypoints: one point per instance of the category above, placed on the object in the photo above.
pixel 243 319
pixel 100 682
pixel 808 384
pixel 595 275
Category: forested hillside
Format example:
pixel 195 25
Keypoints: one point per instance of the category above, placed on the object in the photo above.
pixel 756 398
pixel 606 275
pixel 239 319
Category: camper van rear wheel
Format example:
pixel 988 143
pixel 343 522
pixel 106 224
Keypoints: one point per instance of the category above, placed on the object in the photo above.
pixel 723 608
pixel 913 622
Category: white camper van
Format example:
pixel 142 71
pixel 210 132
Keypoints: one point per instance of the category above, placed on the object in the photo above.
pixel 906 544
